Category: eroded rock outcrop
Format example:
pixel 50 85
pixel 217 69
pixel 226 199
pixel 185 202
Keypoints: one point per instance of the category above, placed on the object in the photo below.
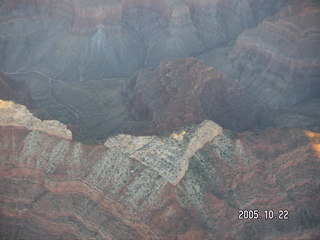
pixel 12 114
pixel 179 92
pixel 283 163
pixel 187 91
pixel 54 188
pixel 183 184
pixel 278 61
pixel 172 154
pixel 120 174
pixel 102 39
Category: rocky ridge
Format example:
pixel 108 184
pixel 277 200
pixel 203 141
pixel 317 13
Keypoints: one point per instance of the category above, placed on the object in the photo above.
pixel 54 188
pixel 255 82
pixel 278 61
pixel 179 178
pixel 172 154
pixel 12 114
pixel 187 91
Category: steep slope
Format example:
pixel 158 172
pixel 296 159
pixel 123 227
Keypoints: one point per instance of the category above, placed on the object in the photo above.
pixel 187 185
pixel 104 67
pixel 262 80
pixel 17 115
pixel 178 92
pixel 92 109
pixel 187 91
pixel 278 61
pixel 84 40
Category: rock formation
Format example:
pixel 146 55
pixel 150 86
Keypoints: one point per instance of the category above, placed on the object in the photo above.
pixel 278 61
pixel 12 114
pixel 173 157
pixel 182 112
pixel 178 92
pixel 83 40
pixel 188 187
pixel 187 91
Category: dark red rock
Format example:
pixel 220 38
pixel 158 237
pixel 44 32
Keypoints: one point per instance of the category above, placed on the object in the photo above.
pixel 187 91
pixel 52 188
pixel 57 189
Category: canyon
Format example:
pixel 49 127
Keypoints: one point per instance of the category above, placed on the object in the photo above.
pixel 187 185
pixel 140 119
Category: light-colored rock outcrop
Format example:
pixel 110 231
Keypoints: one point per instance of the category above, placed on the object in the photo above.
pixel 12 114
pixel 52 188
pixel 167 156
pixel 187 183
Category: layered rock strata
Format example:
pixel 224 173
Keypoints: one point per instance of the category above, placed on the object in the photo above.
pixel 54 188
pixel 184 184
pixel 102 39
pixel 178 92
pixel 278 61
pixel 187 91
pixel 172 156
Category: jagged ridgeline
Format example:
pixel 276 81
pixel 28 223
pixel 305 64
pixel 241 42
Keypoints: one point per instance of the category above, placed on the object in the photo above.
pixel 190 183
pixel 109 67
pixel 159 119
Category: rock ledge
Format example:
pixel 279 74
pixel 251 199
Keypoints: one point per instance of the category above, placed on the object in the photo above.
pixel 12 114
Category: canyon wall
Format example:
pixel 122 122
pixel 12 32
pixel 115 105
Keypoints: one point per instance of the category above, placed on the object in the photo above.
pixel 186 185
pixel 278 61
pixel 178 145
pixel 187 91
pixel 84 40
pixel 17 115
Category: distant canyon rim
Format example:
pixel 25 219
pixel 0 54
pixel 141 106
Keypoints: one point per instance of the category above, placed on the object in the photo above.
pixel 159 119
pixel 94 65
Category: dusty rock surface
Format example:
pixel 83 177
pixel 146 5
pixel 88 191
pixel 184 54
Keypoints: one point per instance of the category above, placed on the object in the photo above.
pixel 106 67
pixel 12 114
pixel 54 188
pixel 172 156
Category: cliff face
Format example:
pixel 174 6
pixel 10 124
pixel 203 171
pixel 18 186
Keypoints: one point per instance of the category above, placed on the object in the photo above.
pixel 187 91
pixel 178 92
pixel 83 40
pixel 187 185
pixel 12 114
pixel 278 60
pixel 125 74
pixel 266 79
